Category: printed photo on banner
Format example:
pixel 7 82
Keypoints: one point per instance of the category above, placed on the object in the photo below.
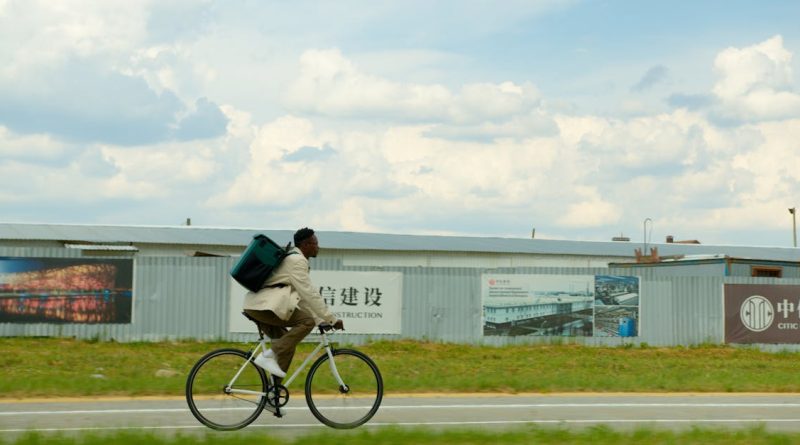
pixel 66 290
pixel 560 305
pixel 616 306
pixel 367 302
pixel 517 305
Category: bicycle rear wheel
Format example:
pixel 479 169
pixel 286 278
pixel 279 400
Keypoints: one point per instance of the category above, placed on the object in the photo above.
pixel 216 405
pixel 345 406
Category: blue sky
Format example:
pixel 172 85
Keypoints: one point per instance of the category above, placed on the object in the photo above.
pixel 578 118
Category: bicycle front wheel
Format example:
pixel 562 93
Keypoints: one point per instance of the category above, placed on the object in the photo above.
pixel 218 400
pixel 348 405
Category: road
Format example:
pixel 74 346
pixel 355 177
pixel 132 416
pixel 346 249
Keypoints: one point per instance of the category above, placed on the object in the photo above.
pixel 779 412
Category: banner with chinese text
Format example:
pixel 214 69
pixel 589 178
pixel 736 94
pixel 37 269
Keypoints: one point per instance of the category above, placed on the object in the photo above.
pixel 367 302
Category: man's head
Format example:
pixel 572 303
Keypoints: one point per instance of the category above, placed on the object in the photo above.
pixel 306 241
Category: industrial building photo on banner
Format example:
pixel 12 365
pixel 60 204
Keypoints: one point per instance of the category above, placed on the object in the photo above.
pixel 66 290
pixel 560 305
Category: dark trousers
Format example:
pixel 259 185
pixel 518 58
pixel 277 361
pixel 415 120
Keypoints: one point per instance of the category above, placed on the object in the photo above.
pixel 284 341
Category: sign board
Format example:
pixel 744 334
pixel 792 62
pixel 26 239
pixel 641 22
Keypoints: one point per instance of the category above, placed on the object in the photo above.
pixel 762 313
pixel 367 302
pixel 560 305
pixel 66 290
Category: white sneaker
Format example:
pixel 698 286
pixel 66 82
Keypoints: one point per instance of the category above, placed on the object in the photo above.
pixel 269 364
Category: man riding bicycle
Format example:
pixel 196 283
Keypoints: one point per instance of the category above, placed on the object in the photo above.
pixel 288 299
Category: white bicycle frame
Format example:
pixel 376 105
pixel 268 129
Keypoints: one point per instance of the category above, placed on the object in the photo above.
pixel 262 346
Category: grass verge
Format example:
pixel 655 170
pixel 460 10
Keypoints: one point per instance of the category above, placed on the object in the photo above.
pixel 53 367
pixel 395 436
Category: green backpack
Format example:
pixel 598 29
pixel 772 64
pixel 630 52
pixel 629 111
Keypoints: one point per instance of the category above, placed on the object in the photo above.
pixel 258 261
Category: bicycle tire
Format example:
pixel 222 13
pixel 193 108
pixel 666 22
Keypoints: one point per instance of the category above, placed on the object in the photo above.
pixel 211 404
pixel 344 409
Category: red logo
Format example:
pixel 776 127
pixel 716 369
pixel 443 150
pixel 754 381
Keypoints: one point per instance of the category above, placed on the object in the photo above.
pixel 492 282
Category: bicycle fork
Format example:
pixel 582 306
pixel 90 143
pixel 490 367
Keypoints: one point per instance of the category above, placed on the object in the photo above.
pixel 343 388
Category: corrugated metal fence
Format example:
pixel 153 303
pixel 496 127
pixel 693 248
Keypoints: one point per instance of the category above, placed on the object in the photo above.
pixel 188 298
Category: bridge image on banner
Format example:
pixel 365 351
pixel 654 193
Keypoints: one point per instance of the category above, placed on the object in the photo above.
pixel 65 290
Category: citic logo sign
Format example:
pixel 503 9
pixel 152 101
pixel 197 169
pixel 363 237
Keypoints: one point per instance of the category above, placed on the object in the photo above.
pixel 757 313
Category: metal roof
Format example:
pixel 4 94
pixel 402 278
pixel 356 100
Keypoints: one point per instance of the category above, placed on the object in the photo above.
pixel 220 236
pixel 102 247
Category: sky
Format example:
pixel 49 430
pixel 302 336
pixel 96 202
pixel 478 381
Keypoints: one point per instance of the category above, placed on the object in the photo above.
pixel 581 120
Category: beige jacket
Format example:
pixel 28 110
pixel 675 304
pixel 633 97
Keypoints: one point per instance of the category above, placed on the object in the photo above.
pixel 298 291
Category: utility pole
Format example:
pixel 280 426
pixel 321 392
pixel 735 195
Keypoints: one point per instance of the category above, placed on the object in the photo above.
pixel 794 225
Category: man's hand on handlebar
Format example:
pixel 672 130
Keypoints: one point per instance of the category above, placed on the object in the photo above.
pixel 325 327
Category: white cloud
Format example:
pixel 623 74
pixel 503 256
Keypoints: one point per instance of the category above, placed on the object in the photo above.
pixel 412 65
pixel 40 34
pixel 765 65
pixel 591 211
pixel 401 174
pixel 331 84
pixel 70 70
pixel 37 147
pixel 480 102
pixel 177 163
pixel 755 82
pixel 774 164
pixel 351 216
pixel 55 186
pixel 643 143
pixel 266 180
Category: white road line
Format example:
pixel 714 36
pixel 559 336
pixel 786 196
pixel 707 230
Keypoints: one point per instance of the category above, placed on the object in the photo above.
pixel 602 405
pixel 387 424
pixel 129 411
pixel 458 406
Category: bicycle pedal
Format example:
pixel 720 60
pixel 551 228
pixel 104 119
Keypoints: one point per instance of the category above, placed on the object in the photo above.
pixel 278 396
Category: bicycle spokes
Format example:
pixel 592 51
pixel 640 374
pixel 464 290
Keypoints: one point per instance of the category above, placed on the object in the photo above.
pixel 216 401
pixel 345 395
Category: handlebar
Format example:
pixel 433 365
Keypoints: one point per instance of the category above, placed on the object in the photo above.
pixel 326 327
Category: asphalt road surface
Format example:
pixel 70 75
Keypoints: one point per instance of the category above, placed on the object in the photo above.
pixel 776 412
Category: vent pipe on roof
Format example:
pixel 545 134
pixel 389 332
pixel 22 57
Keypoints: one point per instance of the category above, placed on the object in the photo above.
pixel 620 238
pixel 533 233
pixel 645 232
pixel 670 239
pixel 188 221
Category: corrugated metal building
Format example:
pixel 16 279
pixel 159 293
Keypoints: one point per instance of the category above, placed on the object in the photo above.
pixel 714 266
pixel 182 289
pixel 400 250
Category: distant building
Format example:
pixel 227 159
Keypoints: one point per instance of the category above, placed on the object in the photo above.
pixel 356 249
pixel 174 283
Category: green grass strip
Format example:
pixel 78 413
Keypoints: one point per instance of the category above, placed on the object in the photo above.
pixel 53 367
pixel 396 436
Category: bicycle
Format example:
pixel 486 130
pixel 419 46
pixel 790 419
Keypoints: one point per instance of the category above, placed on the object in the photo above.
pixel 226 391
